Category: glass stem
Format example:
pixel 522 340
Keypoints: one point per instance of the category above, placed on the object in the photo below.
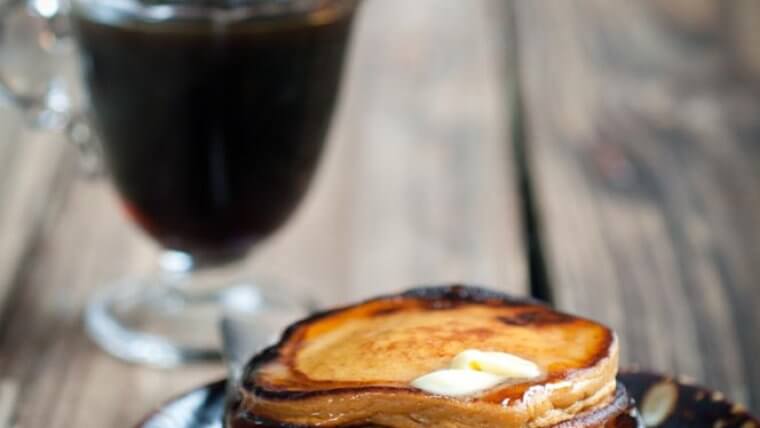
pixel 176 266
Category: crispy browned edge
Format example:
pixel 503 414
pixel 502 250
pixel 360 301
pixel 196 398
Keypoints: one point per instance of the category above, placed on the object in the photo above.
pixel 439 297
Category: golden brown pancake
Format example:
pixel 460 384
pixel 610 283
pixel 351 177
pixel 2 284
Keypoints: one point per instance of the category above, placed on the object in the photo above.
pixel 353 366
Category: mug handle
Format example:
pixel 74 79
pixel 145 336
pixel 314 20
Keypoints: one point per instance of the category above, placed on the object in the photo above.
pixel 50 110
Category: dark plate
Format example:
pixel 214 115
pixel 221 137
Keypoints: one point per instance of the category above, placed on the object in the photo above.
pixel 663 402
pixel 199 408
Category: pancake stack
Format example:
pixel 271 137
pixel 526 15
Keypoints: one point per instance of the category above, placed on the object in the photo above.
pixel 355 367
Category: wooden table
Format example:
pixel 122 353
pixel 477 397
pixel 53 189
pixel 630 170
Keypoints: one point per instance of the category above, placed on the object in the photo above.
pixel 629 192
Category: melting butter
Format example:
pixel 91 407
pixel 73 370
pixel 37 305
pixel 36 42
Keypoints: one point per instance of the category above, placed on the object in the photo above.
pixel 473 371
pixel 498 363
pixel 456 382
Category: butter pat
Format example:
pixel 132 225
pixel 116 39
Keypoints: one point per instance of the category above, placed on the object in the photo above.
pixel 473 371
pixel 498 363
pixel 456 382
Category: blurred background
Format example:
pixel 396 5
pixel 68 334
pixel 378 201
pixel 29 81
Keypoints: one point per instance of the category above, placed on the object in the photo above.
pixel 600 155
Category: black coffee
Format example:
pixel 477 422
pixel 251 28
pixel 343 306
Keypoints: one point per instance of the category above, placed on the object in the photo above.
pixel 213 132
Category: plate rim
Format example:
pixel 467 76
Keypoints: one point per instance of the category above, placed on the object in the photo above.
pixel 678 380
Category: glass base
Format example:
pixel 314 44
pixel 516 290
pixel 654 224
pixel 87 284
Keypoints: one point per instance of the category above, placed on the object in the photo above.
pixel 161 323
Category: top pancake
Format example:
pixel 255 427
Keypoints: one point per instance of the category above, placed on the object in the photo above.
pixel 378 347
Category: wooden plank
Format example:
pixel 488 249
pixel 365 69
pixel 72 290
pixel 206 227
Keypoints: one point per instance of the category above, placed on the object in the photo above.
pixel 46 352
pixel 415 188
pixel 30 174
pixel 642 125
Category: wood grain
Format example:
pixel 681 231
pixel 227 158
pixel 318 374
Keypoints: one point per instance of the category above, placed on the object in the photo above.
pixel 415 188
pixel 642 126
pixel 26 169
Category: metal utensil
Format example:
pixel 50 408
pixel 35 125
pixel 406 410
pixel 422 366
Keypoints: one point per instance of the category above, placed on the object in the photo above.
pixel 245 332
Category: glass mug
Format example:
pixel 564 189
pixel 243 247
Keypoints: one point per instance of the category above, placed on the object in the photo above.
pixel 210 117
